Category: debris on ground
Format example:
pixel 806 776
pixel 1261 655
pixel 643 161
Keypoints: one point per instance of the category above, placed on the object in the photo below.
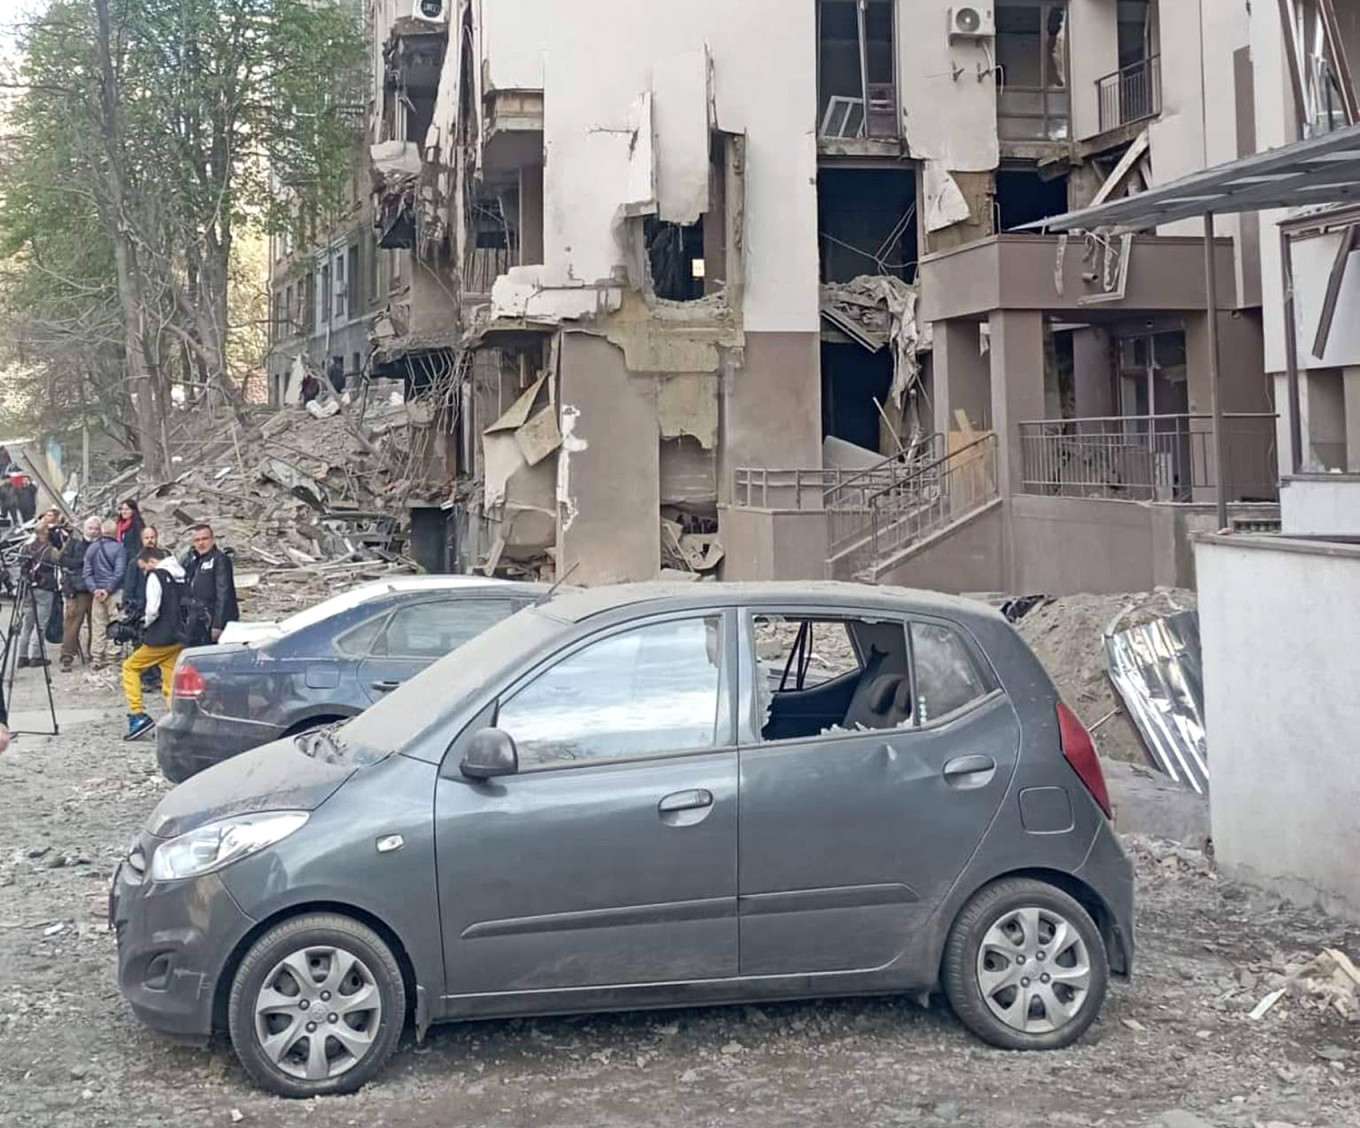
pixel 302 503
pixel 1067 634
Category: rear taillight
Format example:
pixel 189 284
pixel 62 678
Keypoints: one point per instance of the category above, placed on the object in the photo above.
pixel 188 682
pixel 1080 751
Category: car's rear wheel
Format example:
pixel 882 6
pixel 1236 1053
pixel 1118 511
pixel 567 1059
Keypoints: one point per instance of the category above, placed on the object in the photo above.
pixel 317 1006
pixel 1025 966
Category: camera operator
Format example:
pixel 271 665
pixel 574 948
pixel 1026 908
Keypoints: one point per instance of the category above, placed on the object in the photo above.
pixel 38 566
pixel 160 645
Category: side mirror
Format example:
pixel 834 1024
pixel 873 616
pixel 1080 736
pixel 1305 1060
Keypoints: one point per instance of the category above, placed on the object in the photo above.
pixel 490 753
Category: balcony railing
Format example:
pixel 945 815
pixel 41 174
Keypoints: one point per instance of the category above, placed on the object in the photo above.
pixel 1132 93
pixel 1149 457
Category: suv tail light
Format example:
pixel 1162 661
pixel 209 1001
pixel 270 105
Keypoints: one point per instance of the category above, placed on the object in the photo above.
pixel 188 682
pixel 1080 751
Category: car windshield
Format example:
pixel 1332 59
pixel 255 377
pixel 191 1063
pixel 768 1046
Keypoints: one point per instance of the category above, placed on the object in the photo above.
pixel 398 719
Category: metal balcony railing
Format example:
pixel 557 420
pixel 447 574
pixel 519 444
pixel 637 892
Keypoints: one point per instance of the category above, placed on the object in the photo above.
pixel 1132 93
pixel 1149 457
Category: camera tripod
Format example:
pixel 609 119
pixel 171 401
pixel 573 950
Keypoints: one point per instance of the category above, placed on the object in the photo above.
pixel 9 656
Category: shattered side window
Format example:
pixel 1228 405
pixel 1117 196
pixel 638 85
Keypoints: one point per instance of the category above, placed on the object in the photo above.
pixel 947 679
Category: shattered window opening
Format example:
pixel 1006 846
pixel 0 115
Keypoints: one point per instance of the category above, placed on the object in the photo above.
pixel 673 250
pixel 1031 56
pixel 856 64
pixel 1319 69
pixel 828 676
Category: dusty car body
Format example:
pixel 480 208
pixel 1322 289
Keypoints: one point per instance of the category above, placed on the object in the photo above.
pixel 644 796
pixel 322 665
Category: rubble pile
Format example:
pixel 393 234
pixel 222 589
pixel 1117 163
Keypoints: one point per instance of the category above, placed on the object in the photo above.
pixel 303 503
pixel 1068 636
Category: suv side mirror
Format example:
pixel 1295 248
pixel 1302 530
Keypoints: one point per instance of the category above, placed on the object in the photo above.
pixel 490 753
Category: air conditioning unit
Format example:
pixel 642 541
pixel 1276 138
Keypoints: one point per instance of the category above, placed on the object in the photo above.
pixel 431 11
pixel 971 23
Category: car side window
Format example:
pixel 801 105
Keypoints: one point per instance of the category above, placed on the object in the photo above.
pixel 654 690
pixel 947 678
pixel 431 630
pixel 359 640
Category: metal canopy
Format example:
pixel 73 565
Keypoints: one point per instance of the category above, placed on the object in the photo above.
pixel 1324 170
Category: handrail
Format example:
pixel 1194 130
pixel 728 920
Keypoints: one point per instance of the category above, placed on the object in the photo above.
pixel 1141 64
pixel 938 464
pixel 901 458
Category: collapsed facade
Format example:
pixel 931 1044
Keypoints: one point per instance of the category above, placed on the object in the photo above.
pixel 683 287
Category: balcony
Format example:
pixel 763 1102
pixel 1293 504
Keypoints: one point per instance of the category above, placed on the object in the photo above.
pixel 1166 458
pixel 1133 93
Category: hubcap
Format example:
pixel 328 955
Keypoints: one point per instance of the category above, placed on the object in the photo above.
pixel 1050 996
pixel 337 983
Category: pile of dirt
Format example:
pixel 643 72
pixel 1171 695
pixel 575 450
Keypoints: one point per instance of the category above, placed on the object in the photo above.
pixel 1068 636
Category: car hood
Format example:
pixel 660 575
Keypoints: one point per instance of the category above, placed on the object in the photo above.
pixel 273 777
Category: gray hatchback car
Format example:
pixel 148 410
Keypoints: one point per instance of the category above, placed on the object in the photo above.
pixel 644 796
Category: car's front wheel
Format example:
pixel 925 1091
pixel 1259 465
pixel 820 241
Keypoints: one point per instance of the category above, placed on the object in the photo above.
pixel 317 1006
pixel 1025 966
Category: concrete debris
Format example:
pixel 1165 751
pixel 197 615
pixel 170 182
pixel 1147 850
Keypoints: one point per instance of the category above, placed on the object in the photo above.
pixel 879 310
pixel 1068 637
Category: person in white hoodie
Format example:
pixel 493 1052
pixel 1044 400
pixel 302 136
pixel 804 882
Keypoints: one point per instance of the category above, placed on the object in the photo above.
pixel 161 645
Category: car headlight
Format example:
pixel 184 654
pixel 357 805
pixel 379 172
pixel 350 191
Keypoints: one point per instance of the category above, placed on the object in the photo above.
pixel 220 843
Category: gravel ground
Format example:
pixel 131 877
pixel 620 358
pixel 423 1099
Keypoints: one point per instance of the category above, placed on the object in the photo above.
pixel 1175 1048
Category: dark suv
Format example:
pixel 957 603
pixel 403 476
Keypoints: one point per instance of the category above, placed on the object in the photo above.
pixel 644 796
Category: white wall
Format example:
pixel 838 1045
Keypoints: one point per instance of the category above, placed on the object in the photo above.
pixel 1313 507
pixel 595 59
pixel 948 119
pixel 1280 670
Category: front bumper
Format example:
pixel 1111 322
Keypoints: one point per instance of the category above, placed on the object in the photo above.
pixel 189 740
pixel 174 939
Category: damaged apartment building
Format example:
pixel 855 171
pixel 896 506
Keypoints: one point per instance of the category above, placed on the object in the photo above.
pixel 736 290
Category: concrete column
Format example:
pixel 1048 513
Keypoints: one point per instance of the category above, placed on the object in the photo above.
pixel 1351 376
pixel 531 215
pixel 961 377
pixel 1092 375
pixel 609 474
pixel 1017 367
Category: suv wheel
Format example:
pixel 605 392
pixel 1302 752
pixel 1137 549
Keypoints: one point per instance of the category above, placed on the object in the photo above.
pixel 1025 966
pixel 317 1006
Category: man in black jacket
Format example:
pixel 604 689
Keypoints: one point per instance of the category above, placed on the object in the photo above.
pixel 211 583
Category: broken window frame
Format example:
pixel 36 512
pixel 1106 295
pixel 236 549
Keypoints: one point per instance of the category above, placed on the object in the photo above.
pixel 876 113
pixel 1319 72
pixel 1055 125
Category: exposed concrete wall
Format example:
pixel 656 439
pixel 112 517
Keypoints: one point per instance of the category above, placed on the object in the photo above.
pixel 771 406
pixel 965 558
pixel 1017 366
pixel 609 467
pixel 772 544
pixel 595 59
pixel 1066 545
pixel 1320 507
pixel 1280 670
pixel 1093 375
pixel 962 376
pixel 1177 137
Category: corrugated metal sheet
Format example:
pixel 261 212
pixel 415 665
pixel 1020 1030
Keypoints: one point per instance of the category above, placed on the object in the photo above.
pixel 1157 670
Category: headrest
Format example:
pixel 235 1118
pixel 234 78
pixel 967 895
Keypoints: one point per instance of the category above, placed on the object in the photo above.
pixel 883 693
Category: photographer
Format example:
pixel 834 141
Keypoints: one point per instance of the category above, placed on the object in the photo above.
pixel 211 582
pixel 38 566
pixel 160 646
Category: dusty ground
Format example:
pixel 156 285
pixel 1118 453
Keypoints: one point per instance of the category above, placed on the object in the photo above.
pixel 1175 1048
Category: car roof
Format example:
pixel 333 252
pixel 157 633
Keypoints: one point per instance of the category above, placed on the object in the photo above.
pixel 579 604
pixel 366 593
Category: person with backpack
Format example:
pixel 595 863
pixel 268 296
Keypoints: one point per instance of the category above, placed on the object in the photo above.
pixel 163 638
pixel 79 599
pixel 39 566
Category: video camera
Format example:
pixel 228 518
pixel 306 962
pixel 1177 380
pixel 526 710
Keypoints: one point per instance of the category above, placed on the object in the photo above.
pixel 124 630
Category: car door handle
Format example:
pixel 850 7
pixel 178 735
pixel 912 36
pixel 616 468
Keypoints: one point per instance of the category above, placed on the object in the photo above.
pixel 969 771
pixel 385 686
pixel 685 801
